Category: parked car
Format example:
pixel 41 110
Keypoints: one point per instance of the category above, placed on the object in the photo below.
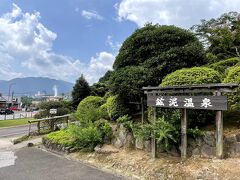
pixel 14 109
pixel 6 111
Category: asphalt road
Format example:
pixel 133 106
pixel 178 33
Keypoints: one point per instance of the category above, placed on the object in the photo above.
pixel 19 130
pixel 35 164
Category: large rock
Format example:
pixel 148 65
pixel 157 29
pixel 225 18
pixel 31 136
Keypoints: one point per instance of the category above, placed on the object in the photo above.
pixel 139 143
pixel 147 146
pixel 238 137
pixel 209 138
pixel 129 142
pixel 229 146
pixel 123 138
pixel 208 151
pixel 237 148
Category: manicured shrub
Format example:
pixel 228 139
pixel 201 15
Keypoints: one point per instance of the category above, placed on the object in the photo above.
pixel 63 137
pixel 90 102
pixel 191 76
pixel 222 66
pixel 194 76
pixel 233 76
pixel 114 107
pixel 89 110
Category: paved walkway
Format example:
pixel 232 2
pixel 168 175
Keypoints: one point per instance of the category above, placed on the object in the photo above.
pixel 35 164
pixel 18 162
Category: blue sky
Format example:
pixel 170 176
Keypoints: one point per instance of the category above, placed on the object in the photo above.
pixel 62 39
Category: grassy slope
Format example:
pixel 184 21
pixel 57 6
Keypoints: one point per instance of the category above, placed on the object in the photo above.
pixel 16 122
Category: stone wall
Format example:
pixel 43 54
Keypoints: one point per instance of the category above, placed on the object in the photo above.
pixel 206 145
pixel 203 146
pixel 52 146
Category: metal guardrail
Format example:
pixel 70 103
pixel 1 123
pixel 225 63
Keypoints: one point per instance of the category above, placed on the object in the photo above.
pixel 52 120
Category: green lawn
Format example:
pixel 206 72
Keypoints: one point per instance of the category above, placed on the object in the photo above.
pixel 16 122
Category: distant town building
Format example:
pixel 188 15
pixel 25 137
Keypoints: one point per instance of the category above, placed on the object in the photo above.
pixel 6 102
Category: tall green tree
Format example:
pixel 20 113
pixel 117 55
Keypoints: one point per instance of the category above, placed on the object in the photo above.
pixel 81 90
pixel 221 36
pixel 151 53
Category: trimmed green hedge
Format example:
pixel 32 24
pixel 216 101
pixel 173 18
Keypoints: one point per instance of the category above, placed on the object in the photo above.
pixel 63 137
pixel 90 102
pixel 191 76
pixel 222 66
pixel 90 110
pixel 114 107
pixel 233 76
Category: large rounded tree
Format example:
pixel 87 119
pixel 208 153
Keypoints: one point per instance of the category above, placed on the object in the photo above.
pixel 161 50
pixel 151 53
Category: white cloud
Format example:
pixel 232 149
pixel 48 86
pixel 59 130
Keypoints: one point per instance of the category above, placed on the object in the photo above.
pixel 114 45
pixel 91 15
pixel 99 65
pixel 184 13
pixel 26 50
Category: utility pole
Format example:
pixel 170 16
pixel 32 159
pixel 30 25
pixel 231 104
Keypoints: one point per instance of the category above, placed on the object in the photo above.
pixel 9 91
pixel 12 98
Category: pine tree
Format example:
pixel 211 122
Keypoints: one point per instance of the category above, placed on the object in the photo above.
pixel 80 90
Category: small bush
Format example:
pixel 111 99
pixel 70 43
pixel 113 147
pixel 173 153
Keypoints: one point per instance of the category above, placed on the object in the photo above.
pixel 105 129
pixel 191 76
pixel 89 110
pixel 195 132
pixel 86 138
pixel 164 132
pixel 143 132
pixel 63 137
pixel 126 121
pixel 233 76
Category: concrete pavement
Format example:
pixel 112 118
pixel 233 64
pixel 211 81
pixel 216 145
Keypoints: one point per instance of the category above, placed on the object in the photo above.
pixel 36 164
pixel 18 162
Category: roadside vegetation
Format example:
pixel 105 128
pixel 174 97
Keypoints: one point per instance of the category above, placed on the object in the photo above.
pixel 155 55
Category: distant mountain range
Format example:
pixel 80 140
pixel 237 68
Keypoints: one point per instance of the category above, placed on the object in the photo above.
pixel 33 85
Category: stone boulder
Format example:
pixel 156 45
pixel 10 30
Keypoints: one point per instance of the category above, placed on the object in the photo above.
pixel 123 138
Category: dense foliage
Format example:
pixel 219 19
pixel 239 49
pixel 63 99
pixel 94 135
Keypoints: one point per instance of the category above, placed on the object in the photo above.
pixel 222 66
pixel 127 82
pixel 106 77
pixel 63 107
pixel 99 89
pixel 233 76
pixel 156 46
pixel 148 55
pixel 62 137
pixel 114 107
pixel 89 110
pixel 221 35
pixel 81 90
pixel 191 76
pixel 86 137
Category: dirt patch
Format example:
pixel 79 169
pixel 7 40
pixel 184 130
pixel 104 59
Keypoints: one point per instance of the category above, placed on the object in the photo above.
pixel 137 164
